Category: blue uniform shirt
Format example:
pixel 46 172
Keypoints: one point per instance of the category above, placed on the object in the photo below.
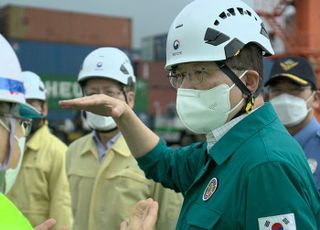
pixel 309 139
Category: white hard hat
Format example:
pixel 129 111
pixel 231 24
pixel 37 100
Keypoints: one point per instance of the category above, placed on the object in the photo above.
pixel 11 84
pixel 34 86
pixel 107 62
pixel 214 30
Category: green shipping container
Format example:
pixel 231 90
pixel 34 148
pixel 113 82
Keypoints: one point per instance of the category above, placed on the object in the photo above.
pixel 60 88
pixel 142 96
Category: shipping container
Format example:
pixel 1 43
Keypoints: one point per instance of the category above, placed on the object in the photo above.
pixel 141 96
pixel 60 87
pixel 147 49
pixel 153 48
pixel 58 65
pixel 57 26
pixel 160 92
pixel 160 43
pixel 154 72
pixel 52 58
pixel 160 99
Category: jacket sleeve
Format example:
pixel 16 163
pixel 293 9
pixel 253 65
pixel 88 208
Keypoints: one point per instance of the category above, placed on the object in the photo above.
pixel 277 197
pixel 170 204
pixel 60 200
pixel 174 168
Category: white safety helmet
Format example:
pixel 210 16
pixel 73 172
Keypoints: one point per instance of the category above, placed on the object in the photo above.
pixel 34 86
pixel 11 84
pixel 108 62
pixel 214 30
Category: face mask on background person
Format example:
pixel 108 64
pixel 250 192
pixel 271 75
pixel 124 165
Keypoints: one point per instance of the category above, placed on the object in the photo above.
pixel 7 175
pixel 291 109
pixel 11 174
pixel 100 123
pixel 202 111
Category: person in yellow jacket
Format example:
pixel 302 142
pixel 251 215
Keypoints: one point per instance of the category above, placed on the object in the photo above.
pixel 42 177
pixel 15 124
pixel 104 177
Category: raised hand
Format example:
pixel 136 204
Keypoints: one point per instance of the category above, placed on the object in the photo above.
pixel 143 217
pixel 99 104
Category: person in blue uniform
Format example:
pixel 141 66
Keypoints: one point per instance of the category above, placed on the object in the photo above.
pixel 292 89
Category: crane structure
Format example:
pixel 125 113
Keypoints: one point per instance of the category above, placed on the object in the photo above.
pixel 299 32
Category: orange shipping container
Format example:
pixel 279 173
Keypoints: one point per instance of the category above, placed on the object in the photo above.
pixel 58 26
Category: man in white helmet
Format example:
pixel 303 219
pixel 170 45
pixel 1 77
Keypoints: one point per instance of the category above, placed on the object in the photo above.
pixel 47 192
pixel 250 173
pixel 15 125
pixel 104 177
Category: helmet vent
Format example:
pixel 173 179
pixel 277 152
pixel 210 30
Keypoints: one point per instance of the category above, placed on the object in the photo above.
pixel 223 15
pixel 216 23
pixel 231 11
pixel 240 10
pixel 215 37
pixel 248 12
pixel 263 31
pixel 123 69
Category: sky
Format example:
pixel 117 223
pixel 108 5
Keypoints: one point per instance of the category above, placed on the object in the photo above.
pixel 149 17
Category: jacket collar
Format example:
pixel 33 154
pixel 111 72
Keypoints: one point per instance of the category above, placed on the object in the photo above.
pixel 119 147
pixel 241 132
pixel 35 141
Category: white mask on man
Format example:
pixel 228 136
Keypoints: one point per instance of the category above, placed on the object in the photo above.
pixel 202 111
pixel 291 109
pixel 100 123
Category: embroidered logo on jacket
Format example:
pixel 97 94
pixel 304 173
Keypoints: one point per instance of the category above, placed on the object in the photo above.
pixel 210 189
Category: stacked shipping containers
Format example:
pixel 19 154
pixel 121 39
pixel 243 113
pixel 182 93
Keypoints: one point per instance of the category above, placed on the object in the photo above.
pixel 58 26
pixel 160 92
pixel 54 44
pixel 153 54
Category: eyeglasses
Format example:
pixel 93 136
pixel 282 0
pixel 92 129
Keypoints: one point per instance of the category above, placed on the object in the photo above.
pixel 293 91
pixel 193 77
pixel 6 122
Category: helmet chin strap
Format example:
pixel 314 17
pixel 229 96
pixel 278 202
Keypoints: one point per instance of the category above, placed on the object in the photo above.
pixel 250 97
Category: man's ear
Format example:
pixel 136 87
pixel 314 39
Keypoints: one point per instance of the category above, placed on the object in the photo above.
pixel 45 108
pixel 252 80
pixel 130 98
pixel 315 103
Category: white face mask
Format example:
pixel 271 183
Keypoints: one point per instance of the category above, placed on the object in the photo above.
pixel 291 109
pixel 11 174
pixel 100 123
pixel 202 111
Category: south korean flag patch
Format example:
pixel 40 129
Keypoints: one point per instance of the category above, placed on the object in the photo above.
pixel 279 222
